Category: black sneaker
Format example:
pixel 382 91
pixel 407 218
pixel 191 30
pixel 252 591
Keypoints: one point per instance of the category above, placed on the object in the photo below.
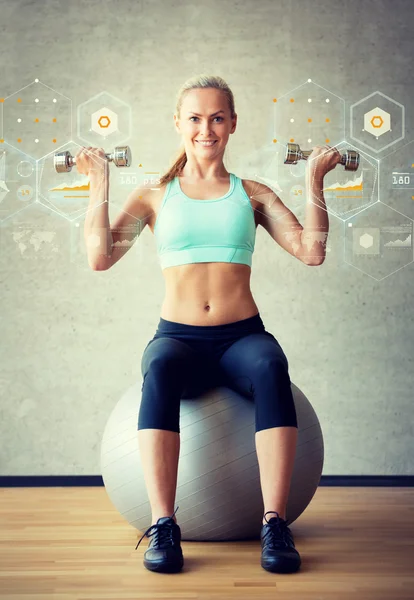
pixel 279 554
pixel 164 553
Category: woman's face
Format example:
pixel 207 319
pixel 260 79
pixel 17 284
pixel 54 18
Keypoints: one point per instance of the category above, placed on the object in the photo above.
pixel 212 122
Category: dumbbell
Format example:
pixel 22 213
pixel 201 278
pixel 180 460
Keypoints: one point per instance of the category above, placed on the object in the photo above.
pixel 121 157
pixel 293 153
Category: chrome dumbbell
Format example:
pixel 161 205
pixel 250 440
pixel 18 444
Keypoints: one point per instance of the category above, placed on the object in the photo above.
pixel 350 158
pixel 64 161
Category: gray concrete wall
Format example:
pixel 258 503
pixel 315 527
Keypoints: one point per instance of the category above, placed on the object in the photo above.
pixel 72 339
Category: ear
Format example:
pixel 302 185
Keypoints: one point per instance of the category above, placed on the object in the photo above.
pixel 177 125
pixel 233 129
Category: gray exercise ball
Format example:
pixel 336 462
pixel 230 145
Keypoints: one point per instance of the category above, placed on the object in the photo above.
pixel 218 486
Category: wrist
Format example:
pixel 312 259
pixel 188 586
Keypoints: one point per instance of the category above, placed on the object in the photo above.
pixel 98 174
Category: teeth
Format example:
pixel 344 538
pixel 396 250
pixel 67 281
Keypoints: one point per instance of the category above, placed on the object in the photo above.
pixel 206 143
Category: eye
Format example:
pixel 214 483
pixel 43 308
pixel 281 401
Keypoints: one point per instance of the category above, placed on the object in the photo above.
pixel 214 117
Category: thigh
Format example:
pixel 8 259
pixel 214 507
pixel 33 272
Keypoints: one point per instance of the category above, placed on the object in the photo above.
pixel 248 358
pixel 177 359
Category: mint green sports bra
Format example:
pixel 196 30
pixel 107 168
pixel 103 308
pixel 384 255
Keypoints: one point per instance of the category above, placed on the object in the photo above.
pixel 194 231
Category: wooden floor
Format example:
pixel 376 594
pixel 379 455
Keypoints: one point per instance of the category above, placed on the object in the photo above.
pixel 70 543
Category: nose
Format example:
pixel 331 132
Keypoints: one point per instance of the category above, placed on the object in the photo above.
pixel 205 130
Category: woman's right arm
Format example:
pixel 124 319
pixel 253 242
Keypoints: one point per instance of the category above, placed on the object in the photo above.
pixel 106 243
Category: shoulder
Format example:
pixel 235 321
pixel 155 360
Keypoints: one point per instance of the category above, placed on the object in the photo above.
pixel 248 185
pixel 255 186
pixel 260 192
pixel 255 189
pixel 153 190
pixel 154 193
pixel 263 200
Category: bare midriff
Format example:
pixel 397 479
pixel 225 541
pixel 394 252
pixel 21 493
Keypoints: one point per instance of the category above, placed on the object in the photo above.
pixel 208 294
pixel 205 293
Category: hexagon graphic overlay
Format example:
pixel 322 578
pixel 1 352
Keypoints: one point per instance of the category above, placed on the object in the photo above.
pixel 378 241
pixel 397 179
pixel 65 193
pixel 377 121
pixel 17 181
pixel 37 119
pixel 308 115
pixel 345 192
pixel 104 118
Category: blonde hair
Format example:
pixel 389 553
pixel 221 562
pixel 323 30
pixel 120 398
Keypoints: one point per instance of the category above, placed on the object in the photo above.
pixel 199 81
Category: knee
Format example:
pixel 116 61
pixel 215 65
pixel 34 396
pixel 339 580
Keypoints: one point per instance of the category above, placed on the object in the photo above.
pixel 275 406
pixel 271 364
pixel 160 400
pixel 160 404
pixel 168 362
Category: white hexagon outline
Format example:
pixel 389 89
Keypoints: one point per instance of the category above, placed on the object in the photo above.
pixel 44 207
pixel 35 195
pixel 376 167
pixel 402 124
pixel 48 208
pixel 80 106
pixel 32 204
pixel 137 246
pixel 311 82
pixel 396 150
pixel 345 142
pixel 53 90
pixel 357 268
pixel 379 165
pixel 50 205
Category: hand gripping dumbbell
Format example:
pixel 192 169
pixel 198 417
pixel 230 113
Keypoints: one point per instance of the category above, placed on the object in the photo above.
pixel 293 153
pixel 64 161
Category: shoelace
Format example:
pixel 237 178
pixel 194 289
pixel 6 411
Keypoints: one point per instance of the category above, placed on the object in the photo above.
pixel 277 532
pixel 163 531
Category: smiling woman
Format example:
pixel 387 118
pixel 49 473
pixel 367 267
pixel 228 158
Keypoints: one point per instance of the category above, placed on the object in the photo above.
pixel 204 219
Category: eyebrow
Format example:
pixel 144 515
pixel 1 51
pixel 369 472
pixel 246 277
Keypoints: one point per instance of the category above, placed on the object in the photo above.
pixel 216 113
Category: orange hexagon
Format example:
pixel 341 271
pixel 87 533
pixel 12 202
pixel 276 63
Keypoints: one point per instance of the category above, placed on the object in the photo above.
pixel 376 119
pixel 106 119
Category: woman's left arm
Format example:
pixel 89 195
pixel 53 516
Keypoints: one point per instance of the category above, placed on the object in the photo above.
pixel 305 242
pixel 316 226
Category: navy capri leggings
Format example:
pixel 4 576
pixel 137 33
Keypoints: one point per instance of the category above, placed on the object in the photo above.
pixel 182 361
